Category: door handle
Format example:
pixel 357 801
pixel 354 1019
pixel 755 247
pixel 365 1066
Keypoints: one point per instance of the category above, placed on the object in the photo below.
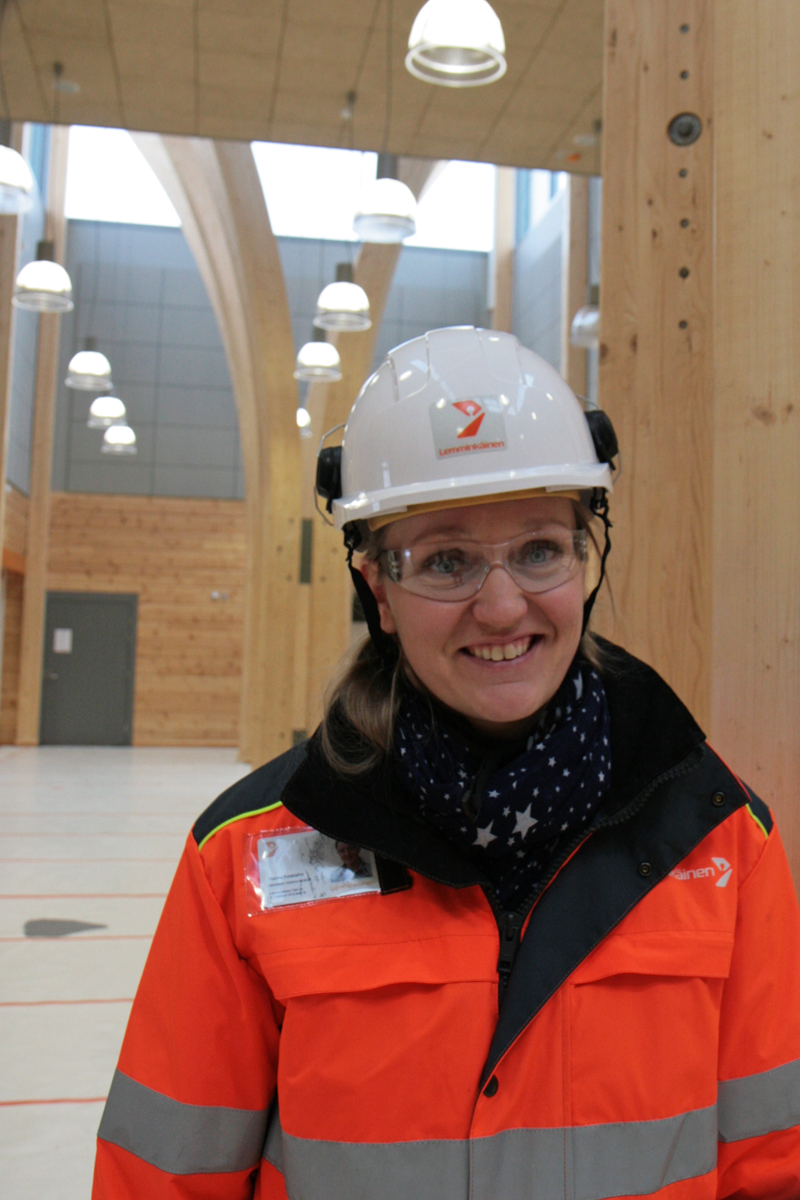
pixel 51 675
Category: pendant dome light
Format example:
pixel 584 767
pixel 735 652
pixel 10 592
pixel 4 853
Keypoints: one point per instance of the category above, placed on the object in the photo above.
pixel 343 305
pixel 17 188
pixel 89 370
pixel 105 411
pixel 457 43
pixel 388 211
pixel 119 439
pixel 585 329
pixel 318 361
pixel 303 417
pixel 43 285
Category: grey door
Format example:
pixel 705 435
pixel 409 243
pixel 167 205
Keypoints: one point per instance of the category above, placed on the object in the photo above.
pixel 89 654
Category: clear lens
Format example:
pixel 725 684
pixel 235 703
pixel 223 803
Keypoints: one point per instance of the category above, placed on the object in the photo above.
pixel 537 562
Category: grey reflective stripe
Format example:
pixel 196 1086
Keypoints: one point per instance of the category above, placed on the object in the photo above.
pixel 759 1104
pixel 584 1162
pixel 181 1139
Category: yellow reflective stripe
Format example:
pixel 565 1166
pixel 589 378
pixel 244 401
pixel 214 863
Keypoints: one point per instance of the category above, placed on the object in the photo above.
pixel 760 824
pixel 240 817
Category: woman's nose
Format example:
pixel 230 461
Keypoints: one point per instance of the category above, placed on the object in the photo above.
pixel 500 602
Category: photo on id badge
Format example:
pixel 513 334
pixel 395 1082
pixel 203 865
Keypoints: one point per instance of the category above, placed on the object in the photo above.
pixel 305 867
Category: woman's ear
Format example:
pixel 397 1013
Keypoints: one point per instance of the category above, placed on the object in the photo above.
pixel 371 572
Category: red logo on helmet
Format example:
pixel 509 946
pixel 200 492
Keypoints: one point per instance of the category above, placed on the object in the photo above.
pixel 470 408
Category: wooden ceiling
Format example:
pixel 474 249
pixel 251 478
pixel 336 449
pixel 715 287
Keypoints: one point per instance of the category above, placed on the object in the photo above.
pixel 281 70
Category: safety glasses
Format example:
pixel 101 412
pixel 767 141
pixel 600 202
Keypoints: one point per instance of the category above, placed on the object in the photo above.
pixel 453 569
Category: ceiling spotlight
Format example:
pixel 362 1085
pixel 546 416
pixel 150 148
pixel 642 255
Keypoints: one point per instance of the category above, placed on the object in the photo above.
pixel 17 188
pixel 106 411
pixel 343 305
pixel 43 285
pixel 388 212
pixel 89 370
pixel 318 361
pixel 119 439
pixel 303 418
pixel 457 43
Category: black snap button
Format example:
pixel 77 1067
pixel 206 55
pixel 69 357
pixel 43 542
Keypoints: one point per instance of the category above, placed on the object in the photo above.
pixel 491 1087
pixel 718 799
pixel 645 869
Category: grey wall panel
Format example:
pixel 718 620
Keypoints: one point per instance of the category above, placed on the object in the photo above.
pixel 138 291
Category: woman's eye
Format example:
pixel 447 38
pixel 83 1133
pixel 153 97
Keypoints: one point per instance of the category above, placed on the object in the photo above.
pixel 538 554
pixel 445 562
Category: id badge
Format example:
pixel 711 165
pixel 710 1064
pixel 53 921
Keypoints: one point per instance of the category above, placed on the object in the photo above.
pixel 289 866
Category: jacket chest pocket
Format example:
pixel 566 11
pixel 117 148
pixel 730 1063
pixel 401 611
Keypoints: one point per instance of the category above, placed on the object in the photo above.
pixel 643 1025
pixel 380 1040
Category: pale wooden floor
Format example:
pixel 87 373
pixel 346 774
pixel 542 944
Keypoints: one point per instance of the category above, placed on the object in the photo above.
pixel 91 835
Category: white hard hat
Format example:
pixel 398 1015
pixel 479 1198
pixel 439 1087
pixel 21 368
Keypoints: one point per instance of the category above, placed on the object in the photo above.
pixel 460 413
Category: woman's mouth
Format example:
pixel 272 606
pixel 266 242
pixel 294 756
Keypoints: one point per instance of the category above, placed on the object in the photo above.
pixel 502 651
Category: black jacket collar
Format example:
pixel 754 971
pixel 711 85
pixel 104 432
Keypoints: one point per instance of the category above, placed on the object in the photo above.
pixel 651 732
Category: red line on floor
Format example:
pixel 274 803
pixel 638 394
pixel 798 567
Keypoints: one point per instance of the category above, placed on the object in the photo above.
pixel 83 896
pixel 74 938
pixel 42 1003
pixel 88 860
pixel 59 1100
pixel 40 833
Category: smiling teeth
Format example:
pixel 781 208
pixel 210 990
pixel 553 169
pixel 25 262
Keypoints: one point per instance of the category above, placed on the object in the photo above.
pixel 498 653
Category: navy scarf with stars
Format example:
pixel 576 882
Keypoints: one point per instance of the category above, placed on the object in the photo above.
pixel 509 804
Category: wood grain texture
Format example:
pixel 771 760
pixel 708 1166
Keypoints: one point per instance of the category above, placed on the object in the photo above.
pixel 504 246
pixel 218 195
pixel 575 276
pixel 756 630
pixel 173 553
pixel 16 520
pixel 44 402
pixel 656 373
pixel 12 637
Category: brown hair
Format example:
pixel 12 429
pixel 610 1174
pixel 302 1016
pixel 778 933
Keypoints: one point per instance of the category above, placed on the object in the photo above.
pixel 364 697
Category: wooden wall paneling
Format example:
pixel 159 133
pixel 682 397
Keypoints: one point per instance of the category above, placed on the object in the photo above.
pixel 34 594
pixel 504 244
pixel 175 554
pixel 217 192
pixel 756 625
pixel 575 277
pixel 655 375
pixel 15 525
pixel 12 584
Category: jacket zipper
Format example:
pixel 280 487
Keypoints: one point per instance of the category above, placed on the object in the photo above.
pixel 510 924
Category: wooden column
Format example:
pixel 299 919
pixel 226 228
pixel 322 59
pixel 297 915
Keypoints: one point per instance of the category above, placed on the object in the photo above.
pixel 331 598
pixel 217 192
pixel 35 587
pixel 700 365
pixel 755 715
pixel 575 276
pixel 331 595
pixel 504 243
pixel 655 377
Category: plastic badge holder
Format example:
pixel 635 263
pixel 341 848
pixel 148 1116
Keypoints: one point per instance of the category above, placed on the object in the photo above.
pixel 290 867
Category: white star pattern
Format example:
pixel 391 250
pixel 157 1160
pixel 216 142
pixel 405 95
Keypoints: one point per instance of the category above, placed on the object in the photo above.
pixel 485 836
pixel 525 822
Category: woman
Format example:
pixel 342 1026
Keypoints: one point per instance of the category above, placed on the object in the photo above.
pixel 562 960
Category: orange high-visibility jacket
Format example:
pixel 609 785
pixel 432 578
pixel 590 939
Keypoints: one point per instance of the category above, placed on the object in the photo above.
pixel 648 1041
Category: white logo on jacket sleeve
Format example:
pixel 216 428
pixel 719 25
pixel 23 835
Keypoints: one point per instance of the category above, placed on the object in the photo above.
pixel 721 865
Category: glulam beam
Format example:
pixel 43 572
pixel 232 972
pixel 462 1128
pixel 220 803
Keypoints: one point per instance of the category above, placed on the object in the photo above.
pixel 34 596
pixel 699 367
pixel 217 192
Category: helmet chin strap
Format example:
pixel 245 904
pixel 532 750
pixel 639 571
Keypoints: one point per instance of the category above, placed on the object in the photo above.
pixel 384 644
pixel 599 506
